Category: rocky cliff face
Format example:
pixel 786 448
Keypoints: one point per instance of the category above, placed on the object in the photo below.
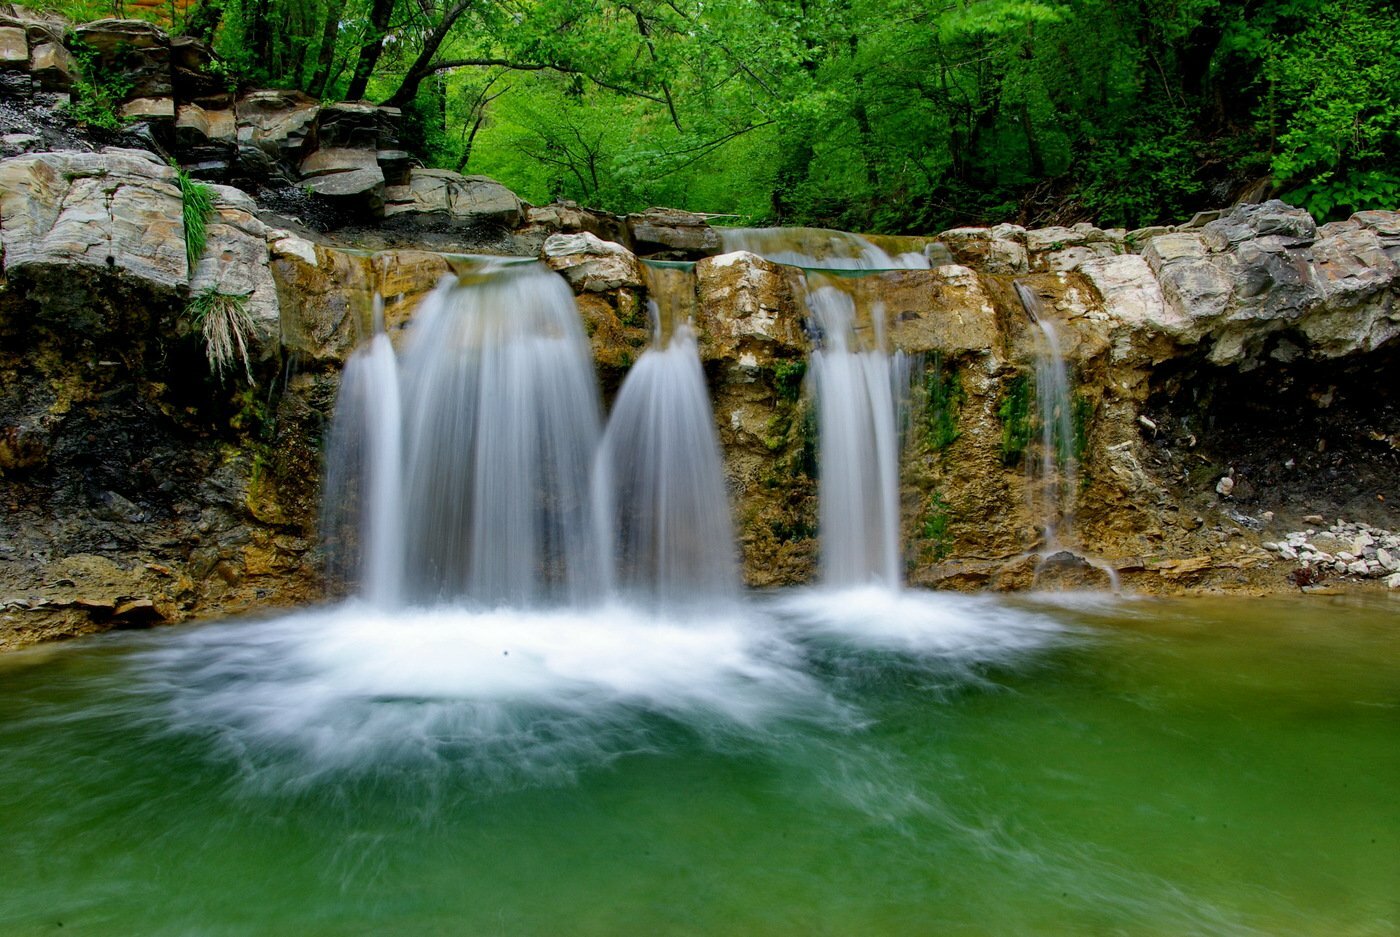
pixel 1232 376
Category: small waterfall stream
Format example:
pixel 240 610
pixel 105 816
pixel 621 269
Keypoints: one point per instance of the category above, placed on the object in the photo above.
pixel 857 447
pixel 660 477
pixel 1055 477
pixel 819 248
pixel 361 517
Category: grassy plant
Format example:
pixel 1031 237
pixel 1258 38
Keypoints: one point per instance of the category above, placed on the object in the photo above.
pixel 943 398
pixel 1016 422
pixel 197 206
pixel 227 327
pixel 98 90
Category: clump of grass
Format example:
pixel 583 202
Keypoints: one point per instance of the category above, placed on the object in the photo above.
pixel 227 327
pixel 197 207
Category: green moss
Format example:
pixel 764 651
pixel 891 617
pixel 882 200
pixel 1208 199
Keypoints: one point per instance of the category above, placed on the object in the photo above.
pixel 1015 414
pixel 937 519
pixel 943 399
pixel 787 379
pixel 1082 416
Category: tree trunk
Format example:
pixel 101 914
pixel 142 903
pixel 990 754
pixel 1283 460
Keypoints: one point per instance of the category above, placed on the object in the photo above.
pixel 325 56
pixel 204 20
pixel 422 66
pixel 369 53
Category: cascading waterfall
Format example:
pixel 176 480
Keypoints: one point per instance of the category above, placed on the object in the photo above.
pixel 661 482
pixel 1055 481
pixel 361 517
pixel 482 475
pixel 819 248
pixel 660 477
pixel 502 425
pixel 857 447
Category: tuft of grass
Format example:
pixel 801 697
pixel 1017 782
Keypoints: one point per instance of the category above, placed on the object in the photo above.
pixel 1082 417
pixel 197 208
pixel 227 327
pixel 1016 422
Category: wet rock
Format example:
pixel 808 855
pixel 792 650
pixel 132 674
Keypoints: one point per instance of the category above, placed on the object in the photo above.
pixel 747 311
pixel 995 250
pixel 673 233
pixel 592 265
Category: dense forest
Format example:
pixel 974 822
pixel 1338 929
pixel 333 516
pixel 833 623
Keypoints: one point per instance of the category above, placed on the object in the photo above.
pixel 882 115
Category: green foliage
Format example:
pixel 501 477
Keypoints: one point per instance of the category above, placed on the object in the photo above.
pixel 935 528
pixel 99 89
pixel 196 208
pixel 943 399
pixel 227 327
pixel 1016 422
pixel 787 379
pixel 897 115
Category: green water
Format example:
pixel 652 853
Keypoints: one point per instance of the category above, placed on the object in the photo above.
pixel 1152 768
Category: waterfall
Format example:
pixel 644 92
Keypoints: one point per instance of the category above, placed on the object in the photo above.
pixel 660 475
pixel 818 248
pixel 857 448
pixel 362 513
pixel 660 482
pixel 1055 477
pixel 502 425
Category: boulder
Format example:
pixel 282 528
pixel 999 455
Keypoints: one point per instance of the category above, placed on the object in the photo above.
pixel 1294 226
pixel 338 159
pixel 747 309
pixel 472 200
pixel 994 250
pixel 362 188
pixel 674 233
pixel 193 76
pixel 149 109
pixel 592 265
pixel 347 125
pixel 137 50
pixel 52 66
pixel 14 47
pixel 118 210
pixel 275 123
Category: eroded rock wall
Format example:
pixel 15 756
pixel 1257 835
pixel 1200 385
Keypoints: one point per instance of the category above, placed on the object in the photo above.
pixel 139 488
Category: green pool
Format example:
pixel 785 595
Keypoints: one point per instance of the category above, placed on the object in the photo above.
pixel 807 764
